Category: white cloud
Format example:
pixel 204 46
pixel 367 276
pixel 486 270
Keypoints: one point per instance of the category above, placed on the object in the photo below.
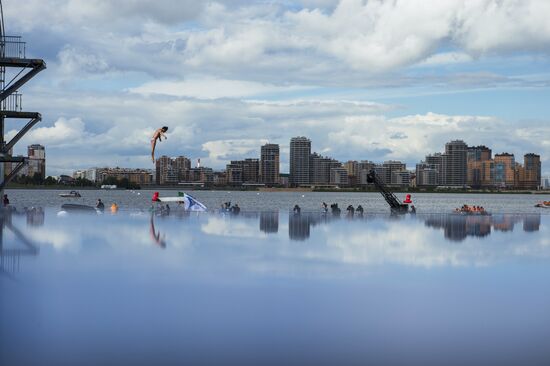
pixel 446 58
pixel 64 132
pixel 211 88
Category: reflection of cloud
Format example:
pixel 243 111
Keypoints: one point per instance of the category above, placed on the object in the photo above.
pixel 415 246
pixel 59 239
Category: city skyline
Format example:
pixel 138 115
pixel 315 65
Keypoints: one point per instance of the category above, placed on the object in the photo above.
pixel 226 76
pixel 460 165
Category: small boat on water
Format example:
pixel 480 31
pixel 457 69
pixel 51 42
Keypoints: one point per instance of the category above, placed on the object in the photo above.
pixel 543 204
pixel 72 207
pixel 71 194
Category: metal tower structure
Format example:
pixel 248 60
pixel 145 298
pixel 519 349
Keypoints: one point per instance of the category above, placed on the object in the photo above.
pixel 15 66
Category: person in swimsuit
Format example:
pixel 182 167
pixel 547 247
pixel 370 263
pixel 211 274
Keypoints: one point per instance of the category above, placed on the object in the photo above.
pixel 159 133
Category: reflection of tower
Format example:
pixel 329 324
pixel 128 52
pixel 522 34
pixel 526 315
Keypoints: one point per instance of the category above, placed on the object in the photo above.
pixel 269 222
pixel 298 227
pixel 531 223
pixel 9 257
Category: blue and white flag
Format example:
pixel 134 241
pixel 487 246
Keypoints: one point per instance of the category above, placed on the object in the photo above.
pixel 192 204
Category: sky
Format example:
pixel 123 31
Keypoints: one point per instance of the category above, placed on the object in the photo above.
pixel 364 80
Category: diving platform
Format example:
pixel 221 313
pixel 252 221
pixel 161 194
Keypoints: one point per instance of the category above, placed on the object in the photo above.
pixel 14 65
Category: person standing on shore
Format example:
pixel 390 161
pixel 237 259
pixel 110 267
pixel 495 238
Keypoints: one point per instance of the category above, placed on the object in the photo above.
pixel 6 200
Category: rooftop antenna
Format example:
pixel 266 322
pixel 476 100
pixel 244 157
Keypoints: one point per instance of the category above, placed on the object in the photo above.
pixel 13 62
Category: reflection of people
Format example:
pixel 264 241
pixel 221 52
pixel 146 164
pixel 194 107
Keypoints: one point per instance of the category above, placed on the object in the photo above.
pixel 6 200
pixel 161 242
pixel 159 133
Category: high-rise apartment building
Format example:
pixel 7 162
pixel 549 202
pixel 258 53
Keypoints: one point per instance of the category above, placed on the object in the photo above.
pixel 480 167
pixel 504 170
pixel 319 168
pixel 37 161
pixel 269 164
pixel 300 151
pixel 183 168
pixel 427 175
pixel 457 167
pixel 393 166
pixel 438 162
pixel 166 172
pixel 339 176
pixel 533 167
pixel 352 167
pixel 243 171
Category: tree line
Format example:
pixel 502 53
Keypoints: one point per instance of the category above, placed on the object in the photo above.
pixel 37 180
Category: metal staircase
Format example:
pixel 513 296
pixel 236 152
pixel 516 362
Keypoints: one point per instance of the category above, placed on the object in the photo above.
pixel 15 66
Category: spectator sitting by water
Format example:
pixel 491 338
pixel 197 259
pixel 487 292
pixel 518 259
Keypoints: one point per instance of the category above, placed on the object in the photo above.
pixel 351 210
pixel 99 205
pixel 359 210
pixel 6 200
pixel 325 207
pixel 296 209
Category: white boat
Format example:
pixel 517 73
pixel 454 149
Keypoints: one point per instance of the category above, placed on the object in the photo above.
pixel 189 202
pixel 71 194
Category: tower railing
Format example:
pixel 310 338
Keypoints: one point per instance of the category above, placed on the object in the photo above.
pixel 12 47
pixel 12 103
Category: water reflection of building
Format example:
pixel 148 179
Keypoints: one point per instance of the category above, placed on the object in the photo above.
pixel 269 222
pixel 299 225
pixel 459 227
pixel 531 223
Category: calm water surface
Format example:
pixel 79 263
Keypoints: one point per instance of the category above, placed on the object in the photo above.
pixel 272 287
pixel 261 201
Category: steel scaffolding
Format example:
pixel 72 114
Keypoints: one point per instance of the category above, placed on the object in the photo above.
pixel 19 69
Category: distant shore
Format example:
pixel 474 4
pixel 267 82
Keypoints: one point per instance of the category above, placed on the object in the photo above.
pixel 266 189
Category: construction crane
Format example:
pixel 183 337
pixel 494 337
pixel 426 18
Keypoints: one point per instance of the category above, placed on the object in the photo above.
pixel 13 57
pixel 396 205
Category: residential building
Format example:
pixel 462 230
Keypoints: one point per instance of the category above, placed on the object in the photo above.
pixel 37 160
pixel 533 169
pixel 456 167
pixel 427 175
pixel 480 167
pixel 135 176
pixel 319 168
pixel 269 164
pixel 504 170
pixel 401 178
pixel 339 176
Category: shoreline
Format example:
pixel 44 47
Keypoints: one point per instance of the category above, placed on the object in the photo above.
pixel 265 189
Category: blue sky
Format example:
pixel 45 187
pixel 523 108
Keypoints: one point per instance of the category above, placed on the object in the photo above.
pixel 365 80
